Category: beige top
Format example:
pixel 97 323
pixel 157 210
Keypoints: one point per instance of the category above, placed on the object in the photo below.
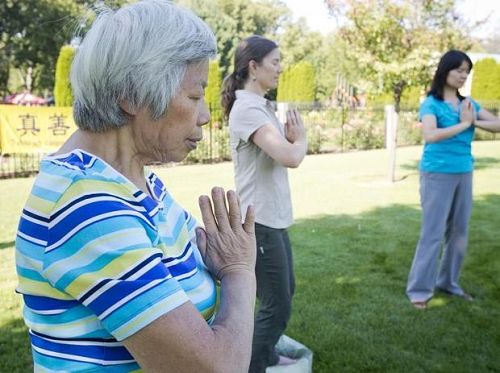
pixel 259 179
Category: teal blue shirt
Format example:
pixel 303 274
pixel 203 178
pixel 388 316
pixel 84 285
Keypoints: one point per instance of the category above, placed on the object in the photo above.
pixel 452 155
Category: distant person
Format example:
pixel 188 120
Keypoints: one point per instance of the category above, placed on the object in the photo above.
pixel 115 275
pixel 448 123
pixel 262 150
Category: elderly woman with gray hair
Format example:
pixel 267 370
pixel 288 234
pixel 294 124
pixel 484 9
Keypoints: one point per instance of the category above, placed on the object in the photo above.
pixel 114 274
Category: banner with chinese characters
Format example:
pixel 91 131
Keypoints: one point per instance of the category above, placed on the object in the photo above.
pixel 25 129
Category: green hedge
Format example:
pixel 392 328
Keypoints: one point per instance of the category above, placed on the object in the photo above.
pixel 486 80
pixel 297 84
pixel 212 92
pixel 62 90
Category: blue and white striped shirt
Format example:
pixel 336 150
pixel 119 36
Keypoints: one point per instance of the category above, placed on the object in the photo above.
pixel 98 260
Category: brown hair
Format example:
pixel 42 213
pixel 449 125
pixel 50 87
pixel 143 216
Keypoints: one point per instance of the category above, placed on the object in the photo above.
pixel 253 48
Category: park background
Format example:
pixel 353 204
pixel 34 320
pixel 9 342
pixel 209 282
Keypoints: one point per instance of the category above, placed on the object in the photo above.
pixel 356 228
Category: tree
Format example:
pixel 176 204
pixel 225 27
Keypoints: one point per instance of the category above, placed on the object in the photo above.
pixel 395 43
pixel 31 34
pixel 62 89
pixel 234 20
pixel 492 44
pixel 299 44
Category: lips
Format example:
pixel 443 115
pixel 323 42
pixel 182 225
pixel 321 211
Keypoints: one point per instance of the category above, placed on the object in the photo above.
pixel 192 143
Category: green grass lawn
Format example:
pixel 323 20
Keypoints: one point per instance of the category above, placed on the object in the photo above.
pixel 353 240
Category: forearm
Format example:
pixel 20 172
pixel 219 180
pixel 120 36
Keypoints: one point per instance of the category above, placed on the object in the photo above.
pixel 440 134
pixel 488 125
pixel 299 152
pixel 233 325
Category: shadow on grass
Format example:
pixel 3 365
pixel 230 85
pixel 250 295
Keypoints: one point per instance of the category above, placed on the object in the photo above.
pixel 480 163
pixel 410 166
pixel 15 347
pixel 485 162
pixel 350 305
pixel 5 245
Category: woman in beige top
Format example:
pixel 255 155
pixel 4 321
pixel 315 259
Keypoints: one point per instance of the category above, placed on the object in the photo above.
pixel 262 150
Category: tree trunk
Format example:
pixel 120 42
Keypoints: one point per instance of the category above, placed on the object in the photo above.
pixel 29 79
pixel 397 93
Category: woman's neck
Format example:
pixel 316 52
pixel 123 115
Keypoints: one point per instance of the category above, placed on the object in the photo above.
pixel 115 148
pixel 450 94
pixel 254 87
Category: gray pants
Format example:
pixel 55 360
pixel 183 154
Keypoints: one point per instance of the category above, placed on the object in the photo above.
pixel 275 288
pixel 446 201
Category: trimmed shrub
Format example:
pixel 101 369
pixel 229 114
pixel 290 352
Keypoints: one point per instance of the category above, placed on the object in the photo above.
pixel 298 84
pixel 304 82
pixel 486 80
pixel 62 89
pixel 284 93
pixel 213 90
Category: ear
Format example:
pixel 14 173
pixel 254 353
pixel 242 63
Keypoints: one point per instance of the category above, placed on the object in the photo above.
pixel 252 65
pixel 127 108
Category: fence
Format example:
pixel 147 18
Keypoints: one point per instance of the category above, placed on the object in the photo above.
pixel 19 164
pixel 329 129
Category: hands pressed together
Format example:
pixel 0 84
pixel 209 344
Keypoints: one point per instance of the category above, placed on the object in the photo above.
pixel 467 112
pixel 226 244
pixel 294 127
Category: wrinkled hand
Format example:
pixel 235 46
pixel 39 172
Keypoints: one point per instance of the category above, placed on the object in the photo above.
pixel 467 114
pixel 294 127
pixel 225 244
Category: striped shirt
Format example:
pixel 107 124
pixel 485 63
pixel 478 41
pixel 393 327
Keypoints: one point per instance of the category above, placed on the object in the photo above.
pixel 98 260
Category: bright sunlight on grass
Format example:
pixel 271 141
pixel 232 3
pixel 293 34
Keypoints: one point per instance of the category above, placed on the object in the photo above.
pixel 354 240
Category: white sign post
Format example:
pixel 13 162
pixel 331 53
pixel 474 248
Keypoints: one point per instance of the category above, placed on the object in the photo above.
pixel 391 130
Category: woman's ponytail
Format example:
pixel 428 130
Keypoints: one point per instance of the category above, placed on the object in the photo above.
pixel 228 95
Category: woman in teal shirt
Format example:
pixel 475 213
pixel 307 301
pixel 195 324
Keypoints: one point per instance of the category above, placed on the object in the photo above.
pixel 448 123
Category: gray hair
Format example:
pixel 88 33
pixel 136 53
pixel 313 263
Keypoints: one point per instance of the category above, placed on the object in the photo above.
pixel 138 55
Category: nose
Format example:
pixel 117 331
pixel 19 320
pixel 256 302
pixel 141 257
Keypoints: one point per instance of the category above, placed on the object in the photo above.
pixel 204 115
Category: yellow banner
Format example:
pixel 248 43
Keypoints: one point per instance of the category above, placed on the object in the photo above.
pixel 35 129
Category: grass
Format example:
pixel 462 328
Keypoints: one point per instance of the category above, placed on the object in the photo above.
pixel 353 240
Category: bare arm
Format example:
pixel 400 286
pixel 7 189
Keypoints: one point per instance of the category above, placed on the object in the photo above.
pixel 181 340
pixel 487 121
pixel 289 151
pixel 434 134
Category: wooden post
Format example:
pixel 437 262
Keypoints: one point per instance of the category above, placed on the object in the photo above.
pixel 391 130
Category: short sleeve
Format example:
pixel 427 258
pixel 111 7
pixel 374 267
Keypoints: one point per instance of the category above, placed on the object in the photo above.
pixel 477 107
pixel 426 108
pixel 244 121
pixel 100 251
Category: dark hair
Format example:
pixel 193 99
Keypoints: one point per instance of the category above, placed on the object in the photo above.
pixel 449 61
pixel 253 48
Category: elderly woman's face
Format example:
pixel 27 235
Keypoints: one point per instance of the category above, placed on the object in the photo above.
pixel 173 136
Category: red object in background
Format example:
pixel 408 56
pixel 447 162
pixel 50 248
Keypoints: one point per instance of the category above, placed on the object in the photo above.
pixel 24 98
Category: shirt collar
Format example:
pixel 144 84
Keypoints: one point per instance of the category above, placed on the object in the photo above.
pixel 244 94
